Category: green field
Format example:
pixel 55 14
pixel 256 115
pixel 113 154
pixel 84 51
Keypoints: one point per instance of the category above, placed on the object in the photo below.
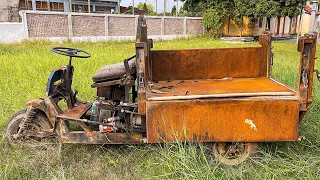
pixel 24 69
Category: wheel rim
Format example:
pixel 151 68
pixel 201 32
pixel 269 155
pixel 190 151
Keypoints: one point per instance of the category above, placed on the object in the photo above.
pixel 233 153
pixel 39 124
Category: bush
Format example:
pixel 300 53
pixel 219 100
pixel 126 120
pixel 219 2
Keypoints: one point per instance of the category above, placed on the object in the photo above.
pixel 212 20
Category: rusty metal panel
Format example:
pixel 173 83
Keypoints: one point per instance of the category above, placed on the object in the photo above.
pixel 307 49
pixel 206 63
pixel 190 89
pixel 96 137
pixel 267 55
pixel 77 111
pixel 223 120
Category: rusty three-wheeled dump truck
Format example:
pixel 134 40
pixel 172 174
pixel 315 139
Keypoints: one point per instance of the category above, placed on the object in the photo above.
pixel 225 98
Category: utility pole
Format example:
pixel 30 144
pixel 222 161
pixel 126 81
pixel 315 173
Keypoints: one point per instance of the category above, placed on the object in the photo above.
pixel 164 7
pixel 89 6
pixel 156 1
pixel 177 8
pixel 48 4
pixel 70 5
pixel 132 7
pixel 119 6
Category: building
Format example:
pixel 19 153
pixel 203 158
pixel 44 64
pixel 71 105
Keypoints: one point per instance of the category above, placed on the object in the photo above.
pixel 309 19
pixel 10 8
pixel 307 22
pixel 128 10
pixel 96 6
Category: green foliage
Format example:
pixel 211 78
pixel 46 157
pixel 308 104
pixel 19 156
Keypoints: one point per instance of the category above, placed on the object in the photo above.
pixel 255 9
pixel 147 8
pixel 291 7
pixel 212 21
pixel 181 11
pixel 173 10
pixel 237 9
pixel 129 10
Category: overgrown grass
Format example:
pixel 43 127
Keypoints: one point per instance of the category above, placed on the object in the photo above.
pixel 24 69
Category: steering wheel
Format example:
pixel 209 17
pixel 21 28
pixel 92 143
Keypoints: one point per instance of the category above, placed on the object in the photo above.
pixel 71 52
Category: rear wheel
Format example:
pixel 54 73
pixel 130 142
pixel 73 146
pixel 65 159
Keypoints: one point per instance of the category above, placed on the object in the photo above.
pixel 35 135
pixel 234 153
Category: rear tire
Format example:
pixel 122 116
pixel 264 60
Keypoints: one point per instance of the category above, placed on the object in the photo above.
pixel 234 153
pixel 40 123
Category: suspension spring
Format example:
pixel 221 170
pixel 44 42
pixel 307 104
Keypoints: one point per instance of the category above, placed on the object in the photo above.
pixel 24 124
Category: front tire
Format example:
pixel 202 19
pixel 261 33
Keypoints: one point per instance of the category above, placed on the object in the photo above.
pixel 39 124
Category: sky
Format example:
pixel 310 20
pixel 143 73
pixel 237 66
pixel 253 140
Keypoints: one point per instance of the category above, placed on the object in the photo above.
pixel 170 4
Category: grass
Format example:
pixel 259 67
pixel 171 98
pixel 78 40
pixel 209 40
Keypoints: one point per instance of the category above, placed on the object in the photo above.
pixel 24 69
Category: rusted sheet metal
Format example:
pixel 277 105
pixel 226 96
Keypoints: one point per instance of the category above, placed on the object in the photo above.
pixel 48 106
pixel 206 63
pixel 307 49
pixel 224 120
pixel 267 55
pixel 81 137
pixel 142 74
pixel 77 111
pixel 205 87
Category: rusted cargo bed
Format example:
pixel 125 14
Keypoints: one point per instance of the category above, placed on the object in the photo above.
pixel 217 88
pixel 224 120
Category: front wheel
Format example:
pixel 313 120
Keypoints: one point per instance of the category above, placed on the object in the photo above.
pixel 35 135
pixel 234 153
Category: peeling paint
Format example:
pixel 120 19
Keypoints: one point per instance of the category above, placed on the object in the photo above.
pixel 252 125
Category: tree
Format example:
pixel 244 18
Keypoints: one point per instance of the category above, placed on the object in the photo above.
pixel 212 21
pixel 291 7
pixel 147 8
pixel 173 10
pixel 238 9
pixel 181 11
pixel 129 10
pixel 254 9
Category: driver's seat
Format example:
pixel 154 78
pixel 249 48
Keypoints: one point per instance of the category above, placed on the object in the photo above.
pixel 113 71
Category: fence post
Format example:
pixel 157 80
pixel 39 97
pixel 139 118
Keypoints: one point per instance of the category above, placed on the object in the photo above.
pixel 25 24
pixel 135 25
pixel 185 27
pixel 162 27
pixel 106 27
pixel 70 25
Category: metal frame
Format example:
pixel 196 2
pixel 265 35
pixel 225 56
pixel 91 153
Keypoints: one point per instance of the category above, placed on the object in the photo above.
pixel 252 118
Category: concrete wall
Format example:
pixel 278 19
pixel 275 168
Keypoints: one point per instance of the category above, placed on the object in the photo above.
pixel 84 26
pixel 9 11
pixel 287 24
pixel 280 26
pixel 305 24
pixel 273 25
pixel 11 32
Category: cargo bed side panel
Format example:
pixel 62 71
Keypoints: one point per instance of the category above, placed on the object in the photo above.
pixel 224 120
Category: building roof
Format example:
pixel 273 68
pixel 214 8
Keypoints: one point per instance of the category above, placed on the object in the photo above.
pixel 308 10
